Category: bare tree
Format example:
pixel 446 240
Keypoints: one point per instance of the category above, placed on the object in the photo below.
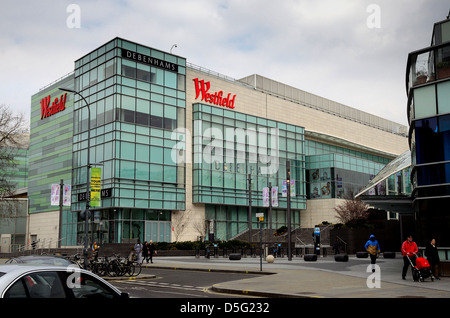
pixel 183 218
pixel 11 139
pixel 352 211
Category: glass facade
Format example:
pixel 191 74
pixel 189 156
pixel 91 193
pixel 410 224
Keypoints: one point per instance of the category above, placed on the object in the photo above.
pixel 50 151
pixel 428 88
pixel 16 225
pixel 135 99
pixel 338 172
pixel 393 180
pixel 228 147
pixel 18 175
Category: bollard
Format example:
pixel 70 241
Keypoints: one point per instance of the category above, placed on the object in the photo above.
pixel 362 255
pixel 234 257
pixel 341 258
pixel 310 257
pixel 389 254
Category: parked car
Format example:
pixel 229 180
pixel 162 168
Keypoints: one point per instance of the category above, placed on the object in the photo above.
pixel 48 281
pixel 40 260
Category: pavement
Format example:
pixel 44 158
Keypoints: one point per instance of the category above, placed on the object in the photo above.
pixel 324 278
pixel 297 278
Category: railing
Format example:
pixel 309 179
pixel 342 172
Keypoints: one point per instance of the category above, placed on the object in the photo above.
pixel 299 242
pixel 444 253
pixel 45 244
pixel 345 244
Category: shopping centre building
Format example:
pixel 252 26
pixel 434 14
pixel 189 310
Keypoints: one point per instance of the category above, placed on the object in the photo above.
pixel 180 147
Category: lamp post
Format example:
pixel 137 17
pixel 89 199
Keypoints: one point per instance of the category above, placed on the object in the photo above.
pixel 86 212
pixel 250 235
pixel 288 184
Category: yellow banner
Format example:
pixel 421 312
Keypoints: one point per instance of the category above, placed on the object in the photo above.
pixel 96 181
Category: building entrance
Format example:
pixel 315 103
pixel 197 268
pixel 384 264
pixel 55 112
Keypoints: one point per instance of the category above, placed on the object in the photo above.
pixel 157 231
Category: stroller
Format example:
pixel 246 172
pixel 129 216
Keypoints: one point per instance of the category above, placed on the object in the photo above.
pixel 421 270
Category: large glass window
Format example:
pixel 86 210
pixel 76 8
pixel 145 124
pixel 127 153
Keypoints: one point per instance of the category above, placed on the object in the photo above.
pixel 427 140
pixel 444 134
pixel 134 106
pixel 224 156
pixel 443 92
pixel 425 101
pixel 445 27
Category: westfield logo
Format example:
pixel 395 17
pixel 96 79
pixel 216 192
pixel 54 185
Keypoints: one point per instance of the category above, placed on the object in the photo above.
pixel 57 106
pixel 202 88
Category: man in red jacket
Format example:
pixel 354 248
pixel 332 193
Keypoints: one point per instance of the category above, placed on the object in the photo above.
pixel 409 249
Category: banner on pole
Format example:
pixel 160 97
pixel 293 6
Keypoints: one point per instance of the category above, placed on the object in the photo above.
pixel 266 196
pixel 275 196
pixel 67 195
pixel 55 192
pixel 284 188
pixel 96 180
pixel 54 196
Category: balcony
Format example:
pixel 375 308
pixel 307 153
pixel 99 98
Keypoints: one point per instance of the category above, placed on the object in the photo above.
pixel 430 64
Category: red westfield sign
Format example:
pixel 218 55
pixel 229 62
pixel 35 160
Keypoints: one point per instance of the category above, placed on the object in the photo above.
pixel 217 98
pixel 57 105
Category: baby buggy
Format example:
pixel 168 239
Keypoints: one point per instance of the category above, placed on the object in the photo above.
pixel 421 270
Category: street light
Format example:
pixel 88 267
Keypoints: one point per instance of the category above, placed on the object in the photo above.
pixel 86 212
pixel 288 185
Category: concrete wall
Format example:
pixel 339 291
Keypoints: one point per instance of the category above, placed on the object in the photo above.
pixel 46 226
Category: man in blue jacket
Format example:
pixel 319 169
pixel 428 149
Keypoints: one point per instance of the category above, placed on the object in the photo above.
pixel 373 248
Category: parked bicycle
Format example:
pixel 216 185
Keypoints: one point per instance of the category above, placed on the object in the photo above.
pixel 114 266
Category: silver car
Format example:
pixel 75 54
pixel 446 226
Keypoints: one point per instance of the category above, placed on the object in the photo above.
pixel 48 281
pixel 40 260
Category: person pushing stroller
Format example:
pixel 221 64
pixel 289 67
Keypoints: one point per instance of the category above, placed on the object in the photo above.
pixel 409 251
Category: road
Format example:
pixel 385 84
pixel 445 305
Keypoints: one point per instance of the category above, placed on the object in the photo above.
pixel 170 283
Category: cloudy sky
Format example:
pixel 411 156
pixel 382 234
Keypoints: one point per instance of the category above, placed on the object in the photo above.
pixel 350 51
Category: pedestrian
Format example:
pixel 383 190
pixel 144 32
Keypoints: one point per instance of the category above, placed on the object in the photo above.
pixel 432 255
pixel 409 250
pixel 95 248
pixel 337 246
pixel 145 252
pixel 138 251
pixel 373 247
pixel 151 251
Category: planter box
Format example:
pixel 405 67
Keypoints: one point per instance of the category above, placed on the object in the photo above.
pixel 362 255
pixel 341 258
pixel 310 257
pixel 443 72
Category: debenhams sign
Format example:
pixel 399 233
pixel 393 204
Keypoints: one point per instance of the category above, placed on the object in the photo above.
pixel 141 58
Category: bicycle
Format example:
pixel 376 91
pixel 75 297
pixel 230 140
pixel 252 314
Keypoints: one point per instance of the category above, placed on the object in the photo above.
pixel 130 267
